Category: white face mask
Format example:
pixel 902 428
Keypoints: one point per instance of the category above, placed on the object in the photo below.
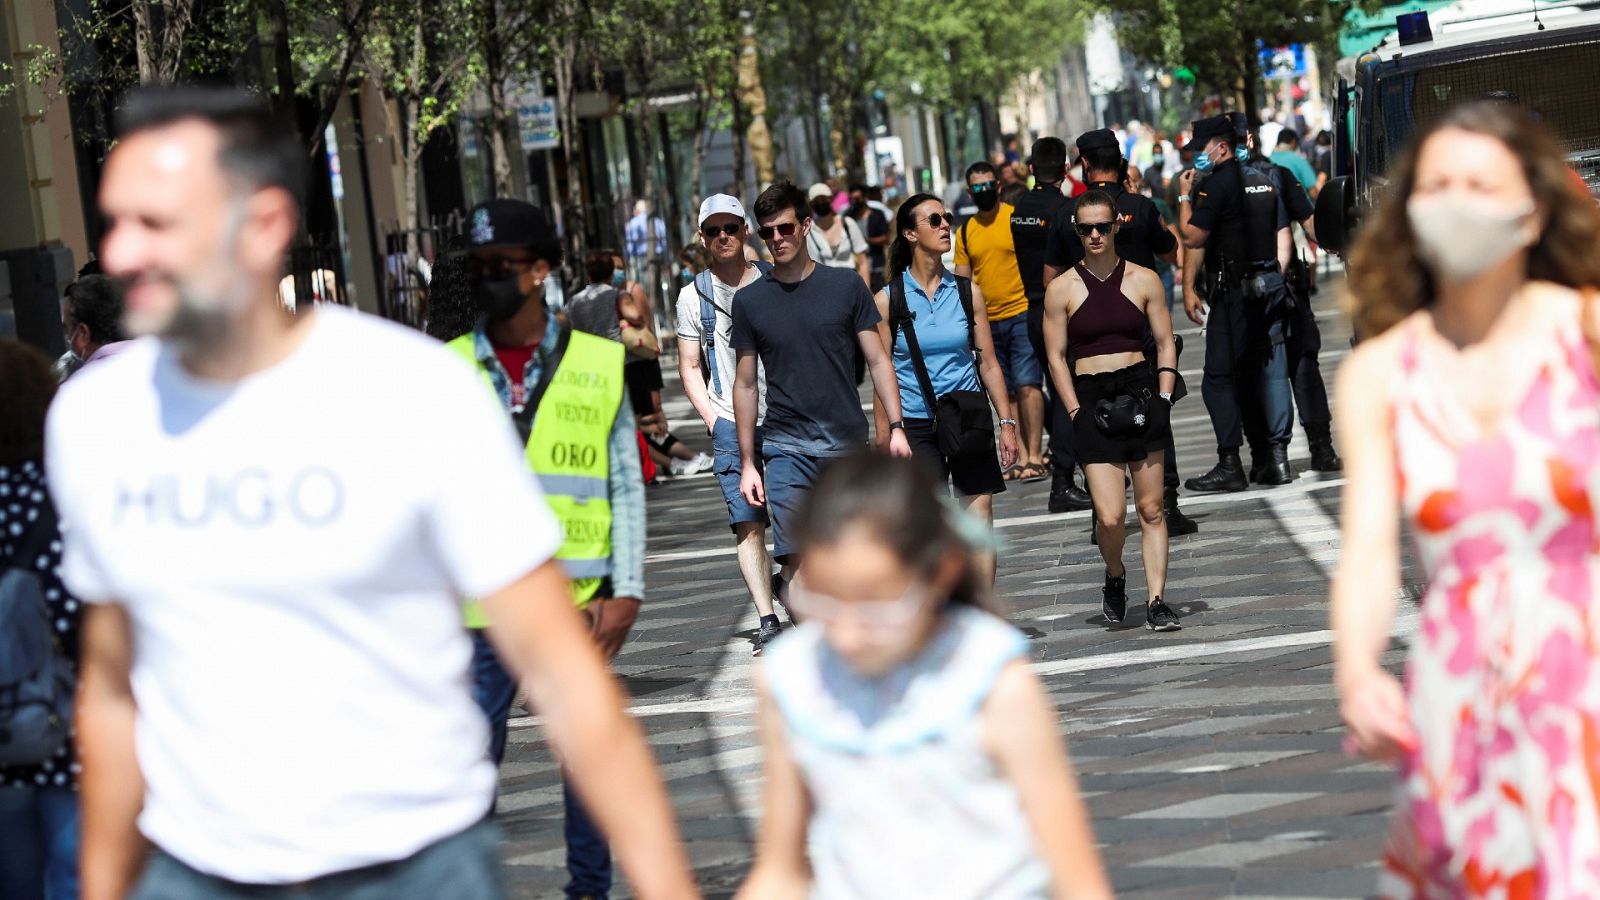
pixel 1462 237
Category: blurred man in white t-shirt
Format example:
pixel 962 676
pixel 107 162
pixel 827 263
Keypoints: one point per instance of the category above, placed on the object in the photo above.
pixel 275 519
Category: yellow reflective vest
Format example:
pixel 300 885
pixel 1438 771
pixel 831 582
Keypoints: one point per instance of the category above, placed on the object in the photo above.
pixel 574 408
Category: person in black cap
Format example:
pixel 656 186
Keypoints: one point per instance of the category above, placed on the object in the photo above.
pixel 1142 238
pixel 1032 216
pixel 1305 337
pixel 1237 214
pixel 585 455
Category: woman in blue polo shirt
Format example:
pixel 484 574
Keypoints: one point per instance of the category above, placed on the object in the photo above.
pixel 955 346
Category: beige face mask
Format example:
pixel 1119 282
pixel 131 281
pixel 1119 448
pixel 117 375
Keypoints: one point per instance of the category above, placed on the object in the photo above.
pixel 1461 237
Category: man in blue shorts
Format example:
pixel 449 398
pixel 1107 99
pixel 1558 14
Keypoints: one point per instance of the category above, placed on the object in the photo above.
pixel 706 365
pixel 806 323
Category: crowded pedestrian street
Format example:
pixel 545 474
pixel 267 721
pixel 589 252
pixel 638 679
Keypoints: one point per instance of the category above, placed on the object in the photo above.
pixel 1211 757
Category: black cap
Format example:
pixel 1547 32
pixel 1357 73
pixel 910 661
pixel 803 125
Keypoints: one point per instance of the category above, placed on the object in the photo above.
pixel 1241 124
pixel 506 223
pixel 1206 129
pixel 1100 137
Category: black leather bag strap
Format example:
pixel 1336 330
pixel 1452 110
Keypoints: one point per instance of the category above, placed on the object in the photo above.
pixel 524 416
pixel 900 312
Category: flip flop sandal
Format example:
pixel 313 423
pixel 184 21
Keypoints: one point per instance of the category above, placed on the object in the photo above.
pixel 1013 473
pixel 1034 472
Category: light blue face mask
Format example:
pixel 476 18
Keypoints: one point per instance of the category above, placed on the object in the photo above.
pixel 619 278
pixel 1203 163
pixel 1241 153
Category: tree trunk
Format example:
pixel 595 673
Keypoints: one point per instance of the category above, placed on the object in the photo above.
pixel 563 57
pixel 283 98
pixel 738 148
pixel 697 164
pixel 144 41
pixel 494 72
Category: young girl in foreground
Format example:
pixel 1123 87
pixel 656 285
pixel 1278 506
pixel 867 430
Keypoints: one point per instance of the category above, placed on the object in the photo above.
pixel 910 751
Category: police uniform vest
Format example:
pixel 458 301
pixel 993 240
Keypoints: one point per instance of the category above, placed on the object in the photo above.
pixel 572 412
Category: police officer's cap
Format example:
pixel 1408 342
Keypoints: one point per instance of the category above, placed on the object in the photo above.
pixel 1096 139
pixel 1206 129
pixel 507 223
pixel 1241 124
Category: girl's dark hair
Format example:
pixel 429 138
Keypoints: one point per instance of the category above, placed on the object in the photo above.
pixel 905 219
pixel 1096 197
pixel 452 311
pixel 897 500
pixel 599 265
pixel 1388 281
pixel 29 387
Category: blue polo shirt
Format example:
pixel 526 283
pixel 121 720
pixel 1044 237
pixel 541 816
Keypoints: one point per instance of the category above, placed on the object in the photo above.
pixel 941 326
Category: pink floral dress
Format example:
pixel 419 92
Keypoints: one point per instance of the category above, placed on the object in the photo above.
pixel 1502 797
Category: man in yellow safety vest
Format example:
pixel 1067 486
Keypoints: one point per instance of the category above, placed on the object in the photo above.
pixel 564 392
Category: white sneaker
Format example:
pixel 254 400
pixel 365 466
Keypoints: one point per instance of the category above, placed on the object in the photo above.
pixel 704 463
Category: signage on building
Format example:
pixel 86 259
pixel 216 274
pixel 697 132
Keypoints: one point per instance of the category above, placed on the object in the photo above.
pixel 536 122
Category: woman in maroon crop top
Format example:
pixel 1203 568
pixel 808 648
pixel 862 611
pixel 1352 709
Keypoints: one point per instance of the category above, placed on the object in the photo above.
pixel 1096 316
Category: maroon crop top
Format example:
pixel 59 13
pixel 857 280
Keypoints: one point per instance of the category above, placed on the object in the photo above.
pixel 1107 322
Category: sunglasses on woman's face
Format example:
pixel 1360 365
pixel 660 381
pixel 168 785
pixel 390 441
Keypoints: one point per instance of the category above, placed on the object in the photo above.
pixel 1085 229
pixel 940 220
pixel 786 229
pixel 711 231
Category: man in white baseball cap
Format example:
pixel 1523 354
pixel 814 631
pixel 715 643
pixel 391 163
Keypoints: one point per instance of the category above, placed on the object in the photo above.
pixel 706 363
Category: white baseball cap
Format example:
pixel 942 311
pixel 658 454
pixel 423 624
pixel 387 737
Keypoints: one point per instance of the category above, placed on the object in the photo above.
pixel 721 203
pixel 819 190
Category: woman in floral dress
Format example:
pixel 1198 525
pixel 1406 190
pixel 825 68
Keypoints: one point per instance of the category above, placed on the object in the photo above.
pixel 1473 409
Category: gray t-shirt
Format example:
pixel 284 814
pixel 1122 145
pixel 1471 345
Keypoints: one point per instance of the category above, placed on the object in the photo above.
pixel 594 310
pixel 842 256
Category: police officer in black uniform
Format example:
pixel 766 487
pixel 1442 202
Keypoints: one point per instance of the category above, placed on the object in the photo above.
pixel 1236 214
pixel 1141 237
pixel 1031 218
pixel 1305 338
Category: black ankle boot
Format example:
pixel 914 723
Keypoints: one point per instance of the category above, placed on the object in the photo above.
pixel 1277 471
pixel 1226 477
pixel 1178 524
pixel 1323 457
pixel 1065 495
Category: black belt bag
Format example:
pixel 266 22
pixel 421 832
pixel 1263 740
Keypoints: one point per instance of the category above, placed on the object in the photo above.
pixel 1126 415
pixel 962 424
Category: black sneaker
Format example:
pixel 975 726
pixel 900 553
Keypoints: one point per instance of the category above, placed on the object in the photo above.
pixel 1115 604
pixel 770 628
pixel 1158 616
pixel 780 598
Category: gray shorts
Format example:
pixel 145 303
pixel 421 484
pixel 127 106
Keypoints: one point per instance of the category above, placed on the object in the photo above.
pixel 464 866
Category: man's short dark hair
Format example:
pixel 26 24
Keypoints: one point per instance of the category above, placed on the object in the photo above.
pixel 780 196
pixel 1103 159
pixel 96 301
pixel 1049 159
pixel 857 186
pixel 875 192
pixel 255 150
pixel 1288 138
pixel 981 167
pixel 599 265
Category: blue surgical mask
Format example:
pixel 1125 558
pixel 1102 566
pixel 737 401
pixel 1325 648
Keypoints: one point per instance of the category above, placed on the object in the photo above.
pixel 687 274
pixel 619 278
pixel 1241 153
pixel 1203 163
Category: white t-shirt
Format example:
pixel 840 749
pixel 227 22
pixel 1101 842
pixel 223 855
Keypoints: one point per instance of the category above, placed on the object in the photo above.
pixel 292 550
pixel 690 329
pixel 842 256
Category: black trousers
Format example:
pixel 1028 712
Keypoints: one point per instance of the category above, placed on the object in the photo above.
pixel 1063 451
pixel 1305 373
pixel 1246 383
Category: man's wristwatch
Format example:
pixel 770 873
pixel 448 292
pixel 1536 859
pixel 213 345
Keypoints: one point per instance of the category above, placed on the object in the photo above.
pixel 898 423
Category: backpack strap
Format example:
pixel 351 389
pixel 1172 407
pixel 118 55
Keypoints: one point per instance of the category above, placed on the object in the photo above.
pixel 964 291
pixel 708 328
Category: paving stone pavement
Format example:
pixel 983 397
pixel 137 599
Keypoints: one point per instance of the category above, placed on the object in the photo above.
pixel 1210 757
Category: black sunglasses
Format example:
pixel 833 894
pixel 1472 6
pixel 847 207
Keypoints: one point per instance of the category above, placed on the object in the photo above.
pixel 938 220
pixel 786 229
pixel 1085 229
pixel 982 187
pixel 711 231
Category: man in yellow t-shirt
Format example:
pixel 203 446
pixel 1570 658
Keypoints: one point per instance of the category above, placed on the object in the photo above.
pixel 985 253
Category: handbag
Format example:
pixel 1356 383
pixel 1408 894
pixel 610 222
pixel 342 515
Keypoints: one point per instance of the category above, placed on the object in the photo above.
pixel 962 425
pixel 1123 416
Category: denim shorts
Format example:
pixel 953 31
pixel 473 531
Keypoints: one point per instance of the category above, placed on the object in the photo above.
pixel 1015 352
pixel 789 478
pixel 463 866
pixel 725 447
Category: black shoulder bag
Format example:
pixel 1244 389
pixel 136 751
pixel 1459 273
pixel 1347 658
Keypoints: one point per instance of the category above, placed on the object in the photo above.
pixel 962 424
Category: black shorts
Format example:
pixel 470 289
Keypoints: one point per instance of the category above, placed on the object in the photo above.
pixel 970 479
pixel 1094 447
pixel 643 379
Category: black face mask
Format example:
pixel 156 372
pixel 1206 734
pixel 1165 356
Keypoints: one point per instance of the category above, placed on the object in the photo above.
pixel 821 208
pixel 856 206
pixel 499 298
pixel 985 200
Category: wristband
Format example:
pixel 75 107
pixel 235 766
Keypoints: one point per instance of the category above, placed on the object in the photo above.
pixel 898 424
pixel 1167 396
pixel 1183 198
pixel 1073 412
pixel 1005 422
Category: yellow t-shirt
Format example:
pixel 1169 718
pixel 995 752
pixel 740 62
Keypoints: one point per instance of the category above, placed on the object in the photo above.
pixel 993 257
